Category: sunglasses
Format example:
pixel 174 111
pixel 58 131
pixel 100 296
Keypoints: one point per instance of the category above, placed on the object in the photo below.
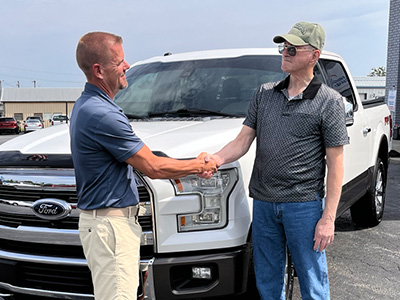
pixel 291 50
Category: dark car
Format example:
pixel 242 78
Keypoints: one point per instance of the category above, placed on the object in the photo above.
pixel 9 124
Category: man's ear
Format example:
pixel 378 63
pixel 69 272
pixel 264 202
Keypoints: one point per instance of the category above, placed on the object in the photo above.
pixel 97 71
pixel 315 56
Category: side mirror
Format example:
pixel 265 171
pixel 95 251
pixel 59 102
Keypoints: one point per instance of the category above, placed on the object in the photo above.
pixel 349 112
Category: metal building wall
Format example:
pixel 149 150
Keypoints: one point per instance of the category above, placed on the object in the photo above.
pixel 393 58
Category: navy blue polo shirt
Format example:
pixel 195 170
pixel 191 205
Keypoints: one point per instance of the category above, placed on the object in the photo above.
pixel 292 137
pixel 101 140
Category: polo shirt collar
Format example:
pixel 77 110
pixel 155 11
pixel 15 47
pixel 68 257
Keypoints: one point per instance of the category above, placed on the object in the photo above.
pixel 93 89
pixel 309 93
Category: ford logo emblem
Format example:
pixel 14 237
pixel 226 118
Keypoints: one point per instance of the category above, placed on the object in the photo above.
pixel 51 209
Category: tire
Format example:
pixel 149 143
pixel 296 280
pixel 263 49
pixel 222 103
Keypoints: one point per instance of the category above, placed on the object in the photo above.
pixel 252 292
pixel 368 211
pixel 289 276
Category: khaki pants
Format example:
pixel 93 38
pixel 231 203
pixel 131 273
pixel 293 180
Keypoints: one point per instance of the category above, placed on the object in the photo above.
pixel 111 245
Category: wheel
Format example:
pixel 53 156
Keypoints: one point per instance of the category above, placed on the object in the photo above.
pixel 252 292
pixel 289 276
pixel 368 211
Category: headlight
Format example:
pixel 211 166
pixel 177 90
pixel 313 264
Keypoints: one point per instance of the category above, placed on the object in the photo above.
pixel 214 194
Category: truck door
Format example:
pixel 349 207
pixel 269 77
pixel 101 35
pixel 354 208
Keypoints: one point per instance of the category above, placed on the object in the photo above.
pixel 357 153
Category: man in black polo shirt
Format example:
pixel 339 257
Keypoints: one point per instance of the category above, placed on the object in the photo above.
pixel 300 127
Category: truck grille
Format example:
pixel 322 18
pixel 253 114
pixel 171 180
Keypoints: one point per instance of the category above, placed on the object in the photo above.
pixel 15 219
pixel 73 279
pixel 17 194
pixel 19 188
pixel 26 240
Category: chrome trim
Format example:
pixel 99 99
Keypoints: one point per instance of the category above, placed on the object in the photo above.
pixel 147 238
pixel 149 288
pixel 140 177
pixel 42 259
pixel 16 203
pixel 25 207
pixel 41 235
pixel 46 179
pixel 149 285
pixel 55 236
pixel 44 293
pixel 6 295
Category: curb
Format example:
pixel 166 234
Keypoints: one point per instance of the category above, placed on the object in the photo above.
pixel 394 160
pixel 394 157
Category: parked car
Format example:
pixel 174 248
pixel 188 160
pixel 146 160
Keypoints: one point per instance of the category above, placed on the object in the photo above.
pixel 58 119
pixel 9 124
pixel 33 125
pixel 35 118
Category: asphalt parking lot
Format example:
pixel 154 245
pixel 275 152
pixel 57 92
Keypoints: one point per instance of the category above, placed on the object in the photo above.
pixel 365 263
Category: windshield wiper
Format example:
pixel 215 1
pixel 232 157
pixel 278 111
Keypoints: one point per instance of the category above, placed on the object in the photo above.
pixel 132 116
pixel 190 112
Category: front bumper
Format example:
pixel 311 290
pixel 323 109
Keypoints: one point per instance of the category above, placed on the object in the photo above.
pixel 168 277
pixel 171 277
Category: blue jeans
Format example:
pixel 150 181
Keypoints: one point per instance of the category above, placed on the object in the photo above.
pixel 277 225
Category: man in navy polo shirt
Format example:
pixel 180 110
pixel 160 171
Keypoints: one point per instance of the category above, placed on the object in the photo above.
pixel 104 149
pixel 300 127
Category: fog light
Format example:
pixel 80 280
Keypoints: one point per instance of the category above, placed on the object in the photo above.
pixel 201 273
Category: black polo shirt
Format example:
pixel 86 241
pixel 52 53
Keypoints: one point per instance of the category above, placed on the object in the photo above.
pixel 292 136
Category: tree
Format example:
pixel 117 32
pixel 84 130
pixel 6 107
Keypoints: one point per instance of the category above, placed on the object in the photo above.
pixel 381 72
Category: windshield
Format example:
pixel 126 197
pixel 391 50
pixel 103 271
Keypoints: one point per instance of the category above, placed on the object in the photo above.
pixel 59 118
pixel 214 86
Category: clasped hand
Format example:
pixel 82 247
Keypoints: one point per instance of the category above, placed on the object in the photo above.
pixel 211 164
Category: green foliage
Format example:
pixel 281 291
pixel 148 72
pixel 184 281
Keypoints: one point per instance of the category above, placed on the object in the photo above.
pixel 381 71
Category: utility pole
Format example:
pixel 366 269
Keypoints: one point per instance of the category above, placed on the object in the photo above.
pixel 66 112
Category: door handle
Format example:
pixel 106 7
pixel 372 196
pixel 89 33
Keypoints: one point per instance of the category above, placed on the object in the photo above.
pixel 366 130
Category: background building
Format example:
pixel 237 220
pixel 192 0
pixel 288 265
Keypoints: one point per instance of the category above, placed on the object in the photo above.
pixel 370 87
pixel 21 103
pixel 393 61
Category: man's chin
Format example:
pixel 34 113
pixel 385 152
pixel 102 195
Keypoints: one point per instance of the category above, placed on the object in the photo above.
pixel 123 86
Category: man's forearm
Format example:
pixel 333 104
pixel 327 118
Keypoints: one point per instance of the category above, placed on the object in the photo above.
pixel 334 181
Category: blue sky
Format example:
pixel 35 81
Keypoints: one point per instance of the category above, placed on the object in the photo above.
pixel 38 37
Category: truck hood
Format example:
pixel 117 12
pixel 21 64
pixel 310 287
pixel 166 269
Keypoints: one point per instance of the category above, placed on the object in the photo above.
pixel 177 139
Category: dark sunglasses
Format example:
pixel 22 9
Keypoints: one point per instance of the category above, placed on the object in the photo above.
pixel 291 50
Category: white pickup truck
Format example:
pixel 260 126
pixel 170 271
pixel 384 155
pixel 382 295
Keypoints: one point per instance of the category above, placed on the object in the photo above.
pixel 196 233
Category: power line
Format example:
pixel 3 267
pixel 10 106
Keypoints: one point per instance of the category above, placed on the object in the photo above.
pixel 36 71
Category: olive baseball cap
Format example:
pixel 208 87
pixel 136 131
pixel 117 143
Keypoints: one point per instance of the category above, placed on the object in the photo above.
pixel 304 33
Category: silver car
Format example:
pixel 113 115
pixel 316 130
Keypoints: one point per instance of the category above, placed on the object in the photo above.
pixel 32 125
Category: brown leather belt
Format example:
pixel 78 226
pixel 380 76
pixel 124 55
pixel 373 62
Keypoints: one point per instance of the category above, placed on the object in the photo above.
pixel 130 211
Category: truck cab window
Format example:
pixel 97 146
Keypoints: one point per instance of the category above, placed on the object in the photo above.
pixel 338 79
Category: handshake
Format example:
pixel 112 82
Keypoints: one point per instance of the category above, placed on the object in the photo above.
pixel 210 164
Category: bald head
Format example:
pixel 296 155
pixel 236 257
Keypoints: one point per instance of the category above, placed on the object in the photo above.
pixel 94 48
